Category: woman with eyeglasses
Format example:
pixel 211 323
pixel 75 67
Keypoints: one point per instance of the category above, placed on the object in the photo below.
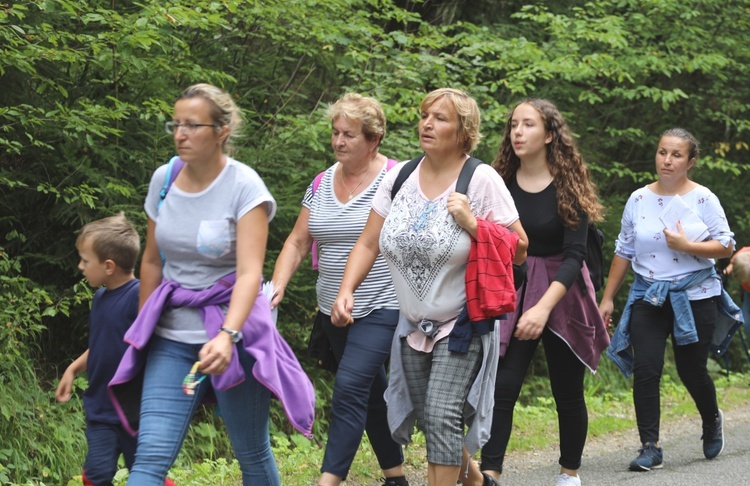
pixel 442 362
pixel 202 304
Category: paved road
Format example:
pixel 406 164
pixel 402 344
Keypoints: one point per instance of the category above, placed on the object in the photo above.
pixel 684 463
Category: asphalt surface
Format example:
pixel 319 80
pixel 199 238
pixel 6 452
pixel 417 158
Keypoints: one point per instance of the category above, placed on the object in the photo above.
pixel 606 461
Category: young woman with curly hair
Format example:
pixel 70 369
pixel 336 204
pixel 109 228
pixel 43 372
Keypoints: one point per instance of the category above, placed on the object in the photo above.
pixel 556 305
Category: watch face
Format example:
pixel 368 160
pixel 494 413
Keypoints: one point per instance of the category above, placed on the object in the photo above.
pixel 236 336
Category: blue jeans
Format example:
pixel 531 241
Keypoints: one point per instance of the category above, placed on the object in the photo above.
pixel 166 412
pixel 106 442
pixel 358 404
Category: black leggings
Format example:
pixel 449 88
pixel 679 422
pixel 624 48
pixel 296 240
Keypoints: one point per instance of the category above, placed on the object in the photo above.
pixel 566 373
pixel 649 329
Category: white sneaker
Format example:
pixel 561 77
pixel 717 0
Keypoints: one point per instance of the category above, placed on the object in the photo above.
pixel 568 480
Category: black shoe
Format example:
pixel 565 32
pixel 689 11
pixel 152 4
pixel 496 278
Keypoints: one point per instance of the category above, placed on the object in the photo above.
pixel 397 481
pixel 649 457
pixel 713 437
pixel 489 480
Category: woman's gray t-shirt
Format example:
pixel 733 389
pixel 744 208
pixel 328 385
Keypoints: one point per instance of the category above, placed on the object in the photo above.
pixel 197 234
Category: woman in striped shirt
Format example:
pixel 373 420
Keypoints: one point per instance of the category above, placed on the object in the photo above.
pixel 334 212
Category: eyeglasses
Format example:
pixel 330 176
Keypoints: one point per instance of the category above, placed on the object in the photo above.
pixel 187 128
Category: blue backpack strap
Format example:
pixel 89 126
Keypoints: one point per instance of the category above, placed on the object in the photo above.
pixel 174 166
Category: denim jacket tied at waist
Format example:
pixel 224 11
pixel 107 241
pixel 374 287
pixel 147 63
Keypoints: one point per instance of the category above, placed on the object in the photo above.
pixel 656 292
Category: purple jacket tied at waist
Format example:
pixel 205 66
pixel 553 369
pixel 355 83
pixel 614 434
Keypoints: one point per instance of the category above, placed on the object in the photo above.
pixel 276 366
pixel 575 319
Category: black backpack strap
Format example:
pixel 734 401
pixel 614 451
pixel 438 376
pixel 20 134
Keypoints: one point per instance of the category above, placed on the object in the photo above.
pixel 467 171
pixel 406 171
pixel 462 185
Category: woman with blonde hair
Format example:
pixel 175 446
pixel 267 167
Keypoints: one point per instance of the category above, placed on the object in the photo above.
pixel 442 364
pixel 202 311
pixel 334 212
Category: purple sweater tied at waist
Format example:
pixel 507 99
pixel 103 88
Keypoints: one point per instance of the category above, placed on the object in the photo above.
pixel 575 319
pixel 276 367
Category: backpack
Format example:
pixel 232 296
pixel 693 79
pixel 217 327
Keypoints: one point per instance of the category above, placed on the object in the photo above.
pixel 462 185
pixel 595 256
pixel 316 182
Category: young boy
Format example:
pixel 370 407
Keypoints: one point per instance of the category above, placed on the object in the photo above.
pixel 739 268
pixel 108 249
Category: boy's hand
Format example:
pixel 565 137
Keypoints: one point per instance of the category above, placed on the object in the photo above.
pixel 65 387
pixel 216 354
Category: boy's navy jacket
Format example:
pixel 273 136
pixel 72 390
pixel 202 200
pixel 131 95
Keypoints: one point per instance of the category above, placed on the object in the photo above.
pixel 276 366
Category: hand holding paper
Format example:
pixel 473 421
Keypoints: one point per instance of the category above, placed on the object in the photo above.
pixel 677 212
pixel 269 292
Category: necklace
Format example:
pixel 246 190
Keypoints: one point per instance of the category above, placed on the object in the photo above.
pixel 351 193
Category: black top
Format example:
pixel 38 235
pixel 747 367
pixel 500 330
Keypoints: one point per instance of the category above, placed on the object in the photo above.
pixel 546 232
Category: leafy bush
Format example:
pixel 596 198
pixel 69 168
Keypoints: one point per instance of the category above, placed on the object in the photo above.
pixel 42 441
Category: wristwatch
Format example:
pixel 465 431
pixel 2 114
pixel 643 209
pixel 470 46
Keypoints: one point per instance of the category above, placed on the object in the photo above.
pixel 236 336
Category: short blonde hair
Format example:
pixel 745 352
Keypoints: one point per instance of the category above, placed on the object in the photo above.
pixel 467 109
pixel 741 267
pixel 366 110
pixel 224 111
pixel 113 238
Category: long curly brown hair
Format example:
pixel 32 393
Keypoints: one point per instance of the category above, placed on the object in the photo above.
pixel 576 192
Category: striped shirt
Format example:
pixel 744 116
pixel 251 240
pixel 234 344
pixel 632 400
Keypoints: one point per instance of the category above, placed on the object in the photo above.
pixel 336 226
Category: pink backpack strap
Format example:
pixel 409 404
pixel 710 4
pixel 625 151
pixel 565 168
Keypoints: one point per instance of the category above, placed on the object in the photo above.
pixel 316 181
pixel 314 256
pixel 391 163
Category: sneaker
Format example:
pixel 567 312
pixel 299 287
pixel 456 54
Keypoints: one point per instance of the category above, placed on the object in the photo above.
pixel 649 457
pixel 565 479
pixel 489 480
pixel 713 437
pixel 397 481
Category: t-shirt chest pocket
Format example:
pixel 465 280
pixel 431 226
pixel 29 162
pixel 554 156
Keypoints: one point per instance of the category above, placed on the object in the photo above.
pixel 214 238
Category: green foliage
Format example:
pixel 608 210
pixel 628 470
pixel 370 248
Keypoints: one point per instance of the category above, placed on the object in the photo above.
pixel 88 85
pixel 41 440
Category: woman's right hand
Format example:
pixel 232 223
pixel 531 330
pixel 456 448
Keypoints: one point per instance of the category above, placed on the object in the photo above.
pixel 278 296
pixel 341 311
pixel 606 308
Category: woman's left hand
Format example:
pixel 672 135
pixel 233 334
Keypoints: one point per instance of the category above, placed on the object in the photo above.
pixel 677 240
pixel 458 207
pixel 216 354
pixel 531 324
